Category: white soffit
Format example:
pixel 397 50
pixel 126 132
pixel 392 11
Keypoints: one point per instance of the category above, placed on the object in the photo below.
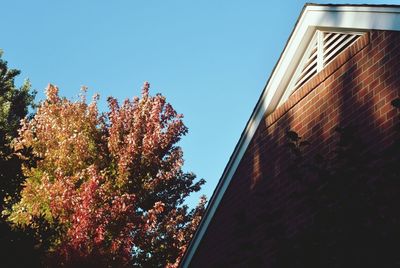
pixel 328 17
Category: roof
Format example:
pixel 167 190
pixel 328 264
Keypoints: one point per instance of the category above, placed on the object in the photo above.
pixel 313 17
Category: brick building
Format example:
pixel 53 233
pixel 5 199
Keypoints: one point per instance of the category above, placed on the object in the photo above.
pixel 340 67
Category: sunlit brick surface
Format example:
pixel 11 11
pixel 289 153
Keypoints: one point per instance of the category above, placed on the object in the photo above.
pixel 356 88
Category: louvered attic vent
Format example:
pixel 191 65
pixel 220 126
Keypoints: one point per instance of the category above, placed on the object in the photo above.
pixel 324 47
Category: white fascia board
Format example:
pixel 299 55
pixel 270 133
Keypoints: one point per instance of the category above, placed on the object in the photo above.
pixel 313 17
pixel 353 17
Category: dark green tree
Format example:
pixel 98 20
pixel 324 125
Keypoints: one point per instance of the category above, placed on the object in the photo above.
pixel 14 104
pixel 16 248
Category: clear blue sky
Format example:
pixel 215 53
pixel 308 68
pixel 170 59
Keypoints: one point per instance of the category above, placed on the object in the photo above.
pixel 211 59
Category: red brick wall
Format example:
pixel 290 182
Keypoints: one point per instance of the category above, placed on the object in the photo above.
pixel 355 88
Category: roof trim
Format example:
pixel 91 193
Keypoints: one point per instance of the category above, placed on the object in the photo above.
pixel 312 17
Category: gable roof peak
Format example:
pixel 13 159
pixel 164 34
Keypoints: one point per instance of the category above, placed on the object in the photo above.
pixel 332 17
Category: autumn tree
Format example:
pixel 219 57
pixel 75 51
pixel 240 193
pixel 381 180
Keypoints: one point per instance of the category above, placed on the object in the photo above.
pixel 14 104
pixel 106 189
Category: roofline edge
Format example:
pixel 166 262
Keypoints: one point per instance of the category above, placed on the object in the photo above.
pixel 265 104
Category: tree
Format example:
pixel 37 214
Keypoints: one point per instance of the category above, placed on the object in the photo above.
pixel 14 104
pixel 107 189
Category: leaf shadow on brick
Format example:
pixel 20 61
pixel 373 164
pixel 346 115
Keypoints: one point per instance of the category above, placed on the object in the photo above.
pixel 355 197
pixel 353 188
pixel 330 198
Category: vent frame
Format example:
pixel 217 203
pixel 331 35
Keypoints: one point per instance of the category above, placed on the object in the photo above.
pixel 324 40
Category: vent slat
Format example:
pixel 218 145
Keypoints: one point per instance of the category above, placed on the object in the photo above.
pixel 313 51
pixel 313 56
pixel 306 76
pixel 331 40
pixel 324 48
pixel 309 65
pixel 327 37
pixel 339 48
pixel 338 43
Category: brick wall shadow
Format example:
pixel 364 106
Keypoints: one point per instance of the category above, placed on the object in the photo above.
pixel 259 221
pixel 274 213
pixel 342 210
pixel 353 190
